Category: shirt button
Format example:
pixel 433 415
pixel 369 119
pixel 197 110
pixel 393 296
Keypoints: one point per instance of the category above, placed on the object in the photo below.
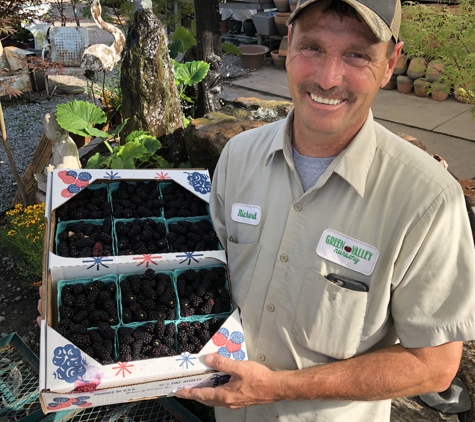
pixel 284 257
pixel 270 307
pixel 298 207
pixel 262 358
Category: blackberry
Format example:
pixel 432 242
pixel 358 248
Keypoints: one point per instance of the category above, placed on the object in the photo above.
pixel 145 336
pixel 160 329
pixel 207 307
pixel 80 316
pixel 80 340
pixel 204 335
pixel 81 301
pixel 67 299
pixel 65 312
pixel 106 330
pixel 186 347
pixel 78 288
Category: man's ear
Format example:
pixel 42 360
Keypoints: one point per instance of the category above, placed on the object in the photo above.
pixel 392 63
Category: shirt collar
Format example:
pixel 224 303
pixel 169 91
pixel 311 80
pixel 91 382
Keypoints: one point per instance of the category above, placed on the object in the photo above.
pixel 352 164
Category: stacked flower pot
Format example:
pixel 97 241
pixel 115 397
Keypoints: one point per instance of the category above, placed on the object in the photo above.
pixel 419 76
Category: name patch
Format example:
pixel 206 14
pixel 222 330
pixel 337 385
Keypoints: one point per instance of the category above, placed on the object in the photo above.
pixel 247 214
pixel 348 252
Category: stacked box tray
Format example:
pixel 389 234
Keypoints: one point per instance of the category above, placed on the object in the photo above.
pixel 18 381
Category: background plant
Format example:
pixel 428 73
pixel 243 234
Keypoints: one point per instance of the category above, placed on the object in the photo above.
pixel 22 235
pixel 439 32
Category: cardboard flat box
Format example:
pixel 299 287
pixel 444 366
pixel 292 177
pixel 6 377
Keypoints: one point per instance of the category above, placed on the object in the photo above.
pixel 65 368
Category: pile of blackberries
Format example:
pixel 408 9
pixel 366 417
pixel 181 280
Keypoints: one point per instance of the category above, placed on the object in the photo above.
pixel 137 200
pixel 82 239
pixel 192 336
pixel 139 237
pixel 203 292
pixel 148 341
pixel 187 236
pixel 89 204
pixel 98 344
pixel 180 202
pixel 147 297
pixel 89 304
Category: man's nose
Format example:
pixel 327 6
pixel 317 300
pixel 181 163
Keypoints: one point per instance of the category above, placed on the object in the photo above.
pixel 329 72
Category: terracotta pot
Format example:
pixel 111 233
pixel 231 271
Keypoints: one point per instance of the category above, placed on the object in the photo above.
pixel 417 68
pixel 421 87
pixel 284 45
pixel 282 5
pixel 440 91
pixel 392 84
pixel 401 65
pixel 280 20
pixel 292 5
pixel 278 60
pixel 434 70
pixel 224 27
pixel 404 84
pixel 253 56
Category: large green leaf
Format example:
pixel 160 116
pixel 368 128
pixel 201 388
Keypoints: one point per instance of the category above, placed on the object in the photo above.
pixel 96 133
pixel 151 145
pixel 230 48
pixel 174 48
pixel 97 161
pixel 186 37
pixel 191 73
pixel 130 152
pixel 78 117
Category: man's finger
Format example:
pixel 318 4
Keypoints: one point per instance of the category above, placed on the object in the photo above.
pixel 221 363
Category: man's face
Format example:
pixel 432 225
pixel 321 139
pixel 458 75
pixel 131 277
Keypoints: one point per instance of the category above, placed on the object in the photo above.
pixel 335 67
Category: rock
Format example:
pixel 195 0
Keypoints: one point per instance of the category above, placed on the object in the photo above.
pixel 206 137
pixel 149 94
pixel 2 318
pixel 467 373
pixel 412 140
pixel 410 409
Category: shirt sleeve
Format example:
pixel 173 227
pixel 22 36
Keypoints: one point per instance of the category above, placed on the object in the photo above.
pixel 432 304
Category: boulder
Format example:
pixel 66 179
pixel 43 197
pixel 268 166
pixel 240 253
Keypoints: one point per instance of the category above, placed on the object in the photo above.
pixel 149 95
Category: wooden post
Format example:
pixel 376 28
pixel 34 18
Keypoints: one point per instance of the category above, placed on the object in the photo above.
pixel 10 159
pixel 208 39
pixel 37 164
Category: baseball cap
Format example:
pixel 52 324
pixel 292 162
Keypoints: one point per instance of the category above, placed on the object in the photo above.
pixel 382 16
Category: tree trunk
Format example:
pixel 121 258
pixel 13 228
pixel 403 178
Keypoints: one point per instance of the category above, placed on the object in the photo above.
pixel 208 37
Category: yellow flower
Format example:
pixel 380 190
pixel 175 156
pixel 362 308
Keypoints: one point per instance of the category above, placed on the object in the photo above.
pixel 11 233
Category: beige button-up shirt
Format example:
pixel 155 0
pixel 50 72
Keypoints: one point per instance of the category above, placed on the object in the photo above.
pixel 384 213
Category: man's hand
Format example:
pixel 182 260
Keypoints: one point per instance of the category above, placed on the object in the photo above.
pixel 251 383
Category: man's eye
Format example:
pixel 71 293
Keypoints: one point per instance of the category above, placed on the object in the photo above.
pixel 311 51
pixel 356 59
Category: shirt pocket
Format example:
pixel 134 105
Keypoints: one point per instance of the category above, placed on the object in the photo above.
pixel 329 319
pixel 241 262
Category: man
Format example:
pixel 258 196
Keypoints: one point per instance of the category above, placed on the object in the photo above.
pixel 349 249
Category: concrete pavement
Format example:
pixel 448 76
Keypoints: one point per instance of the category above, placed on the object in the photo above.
pixel 446 128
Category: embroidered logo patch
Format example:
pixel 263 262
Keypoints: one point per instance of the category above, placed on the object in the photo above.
pixel 348 252
pixel 247 214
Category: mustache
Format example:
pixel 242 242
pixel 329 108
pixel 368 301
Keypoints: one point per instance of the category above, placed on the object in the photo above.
pixel 334 93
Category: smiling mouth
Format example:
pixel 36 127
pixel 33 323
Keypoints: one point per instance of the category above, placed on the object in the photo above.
pixel 322 100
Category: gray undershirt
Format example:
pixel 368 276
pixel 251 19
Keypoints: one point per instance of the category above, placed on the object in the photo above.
pixel 309 169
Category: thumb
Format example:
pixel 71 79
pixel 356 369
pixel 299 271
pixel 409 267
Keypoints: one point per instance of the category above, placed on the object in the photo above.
pixel 221 363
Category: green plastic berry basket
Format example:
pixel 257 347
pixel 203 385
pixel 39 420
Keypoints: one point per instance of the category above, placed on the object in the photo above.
pixel 92 187
pixel 192 220
pixel 124 276
pixel 113 187
pixel 86 281
pixel 63 225
pixel 156 410
pixel 115 236
pixel 201 317
pixel 18 381
pixel 135 325
pixel 163 185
